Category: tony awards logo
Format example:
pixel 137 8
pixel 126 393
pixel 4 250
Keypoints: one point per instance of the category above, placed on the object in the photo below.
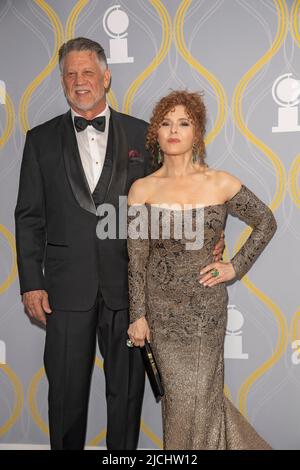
pixel 115 24
pixel 286 93
pixel 2 92
pixel 233 347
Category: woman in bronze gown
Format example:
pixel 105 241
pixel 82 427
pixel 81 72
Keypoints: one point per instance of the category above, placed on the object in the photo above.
pixel 184 312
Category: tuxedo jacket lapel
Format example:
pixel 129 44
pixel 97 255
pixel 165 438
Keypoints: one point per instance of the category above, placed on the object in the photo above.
pixel 117 184
pixel 73 165
pixel 75 171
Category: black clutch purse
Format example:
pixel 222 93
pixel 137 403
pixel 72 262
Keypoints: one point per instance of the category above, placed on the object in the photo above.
pixel 152 371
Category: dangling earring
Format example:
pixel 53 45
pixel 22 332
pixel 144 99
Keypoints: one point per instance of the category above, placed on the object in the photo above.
pixel 159 157
pixel 195 153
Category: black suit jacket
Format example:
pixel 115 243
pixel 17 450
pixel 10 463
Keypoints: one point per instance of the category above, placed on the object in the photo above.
pixel 56 219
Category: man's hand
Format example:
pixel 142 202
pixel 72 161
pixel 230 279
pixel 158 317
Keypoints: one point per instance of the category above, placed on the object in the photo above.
pixel 138 331
pixel 36 304
pixel 219 248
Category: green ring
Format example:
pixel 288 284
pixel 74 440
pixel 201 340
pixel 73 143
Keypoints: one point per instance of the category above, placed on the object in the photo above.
pixel 215 272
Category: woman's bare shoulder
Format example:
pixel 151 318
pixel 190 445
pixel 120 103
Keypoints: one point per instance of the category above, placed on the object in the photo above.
pixel 141 189
pixel 228 183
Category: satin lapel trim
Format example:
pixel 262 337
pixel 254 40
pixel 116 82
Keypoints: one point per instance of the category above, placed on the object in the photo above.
pixel 117 184
pixel 74 168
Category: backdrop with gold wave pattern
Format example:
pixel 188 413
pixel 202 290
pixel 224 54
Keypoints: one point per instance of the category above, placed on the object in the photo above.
pixel 244 54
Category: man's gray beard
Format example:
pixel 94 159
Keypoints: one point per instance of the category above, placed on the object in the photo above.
pixel 82 109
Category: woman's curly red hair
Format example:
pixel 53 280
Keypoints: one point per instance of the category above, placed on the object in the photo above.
pixel 196 111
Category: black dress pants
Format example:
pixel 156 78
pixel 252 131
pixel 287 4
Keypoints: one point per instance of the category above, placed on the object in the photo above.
pixel 69 359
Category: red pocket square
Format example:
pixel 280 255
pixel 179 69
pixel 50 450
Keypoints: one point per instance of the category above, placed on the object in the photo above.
pixel 134 155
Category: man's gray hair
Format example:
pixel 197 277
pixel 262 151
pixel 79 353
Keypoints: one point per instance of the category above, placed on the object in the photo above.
pixel 81 44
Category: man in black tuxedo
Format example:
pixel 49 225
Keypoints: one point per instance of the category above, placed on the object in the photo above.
pixel 72 281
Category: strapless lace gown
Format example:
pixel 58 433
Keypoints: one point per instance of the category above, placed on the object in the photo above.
pixel 188 323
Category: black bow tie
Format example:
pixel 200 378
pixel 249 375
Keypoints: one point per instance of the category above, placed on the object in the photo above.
pixel 81 123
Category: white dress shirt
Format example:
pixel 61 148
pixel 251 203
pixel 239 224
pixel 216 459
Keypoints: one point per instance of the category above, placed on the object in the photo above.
pixel 92 148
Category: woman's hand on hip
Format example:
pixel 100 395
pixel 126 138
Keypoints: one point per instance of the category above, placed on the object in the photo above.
pixel 215 273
